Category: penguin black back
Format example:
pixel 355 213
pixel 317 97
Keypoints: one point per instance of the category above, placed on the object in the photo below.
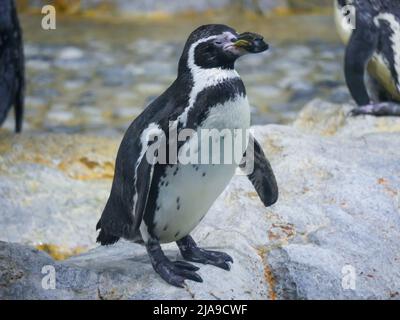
pixel 12 80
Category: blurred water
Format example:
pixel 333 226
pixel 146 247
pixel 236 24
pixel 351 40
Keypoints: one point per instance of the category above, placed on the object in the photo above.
pixel 95 76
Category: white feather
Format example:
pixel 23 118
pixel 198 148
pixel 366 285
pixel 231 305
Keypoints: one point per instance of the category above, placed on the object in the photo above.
pixel 395 38
pixel 147 135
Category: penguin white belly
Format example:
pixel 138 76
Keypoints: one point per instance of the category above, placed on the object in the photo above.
pixel 188 191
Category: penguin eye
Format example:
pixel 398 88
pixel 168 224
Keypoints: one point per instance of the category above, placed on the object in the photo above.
pixel 218 42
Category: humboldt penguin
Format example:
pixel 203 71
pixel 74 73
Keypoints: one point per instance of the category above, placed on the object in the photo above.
pixel 12 79
pixel 371 31
pixel 153 201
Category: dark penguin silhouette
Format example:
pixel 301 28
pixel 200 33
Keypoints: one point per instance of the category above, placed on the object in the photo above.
pixel 153 203
pixel 372 60
pixel 12 81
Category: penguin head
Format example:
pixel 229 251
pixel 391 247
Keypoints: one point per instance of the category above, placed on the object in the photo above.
pixel 218 46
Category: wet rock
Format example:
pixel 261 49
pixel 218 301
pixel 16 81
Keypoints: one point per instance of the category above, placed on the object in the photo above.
pixel 71 53
pixel 85 98
pixel 127 112
pixel 38 64
pixel 340 95
pixel 116 76
pixel 45 93
pixel 333 234
pixel 59 117
pixel 302 92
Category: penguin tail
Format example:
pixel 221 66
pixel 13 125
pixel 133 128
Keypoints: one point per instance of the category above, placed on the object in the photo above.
pixel 105 238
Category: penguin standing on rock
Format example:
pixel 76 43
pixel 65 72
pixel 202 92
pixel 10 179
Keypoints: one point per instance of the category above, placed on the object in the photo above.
pixel 153 203
pixel 12 79
pixel 371 31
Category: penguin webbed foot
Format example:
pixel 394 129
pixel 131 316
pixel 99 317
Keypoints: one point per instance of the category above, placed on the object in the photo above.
pixel 191 252
pixel 378 109
pixel 173 272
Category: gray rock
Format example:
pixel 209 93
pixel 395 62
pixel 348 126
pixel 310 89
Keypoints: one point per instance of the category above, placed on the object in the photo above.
pixel 333 234
pixel 52 188
pixel 122 271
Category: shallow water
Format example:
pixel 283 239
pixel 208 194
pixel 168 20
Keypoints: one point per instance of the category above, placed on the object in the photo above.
pixel 95 76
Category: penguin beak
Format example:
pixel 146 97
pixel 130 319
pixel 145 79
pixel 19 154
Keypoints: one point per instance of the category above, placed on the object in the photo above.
pixel 251 42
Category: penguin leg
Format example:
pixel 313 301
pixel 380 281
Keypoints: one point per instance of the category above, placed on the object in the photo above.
pixel 378 109
pixel 191 252
pixel 362 45
pixel 173 272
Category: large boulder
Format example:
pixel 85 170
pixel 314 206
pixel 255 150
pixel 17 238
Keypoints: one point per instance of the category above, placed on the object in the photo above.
pixel 53 189
pixel 333 234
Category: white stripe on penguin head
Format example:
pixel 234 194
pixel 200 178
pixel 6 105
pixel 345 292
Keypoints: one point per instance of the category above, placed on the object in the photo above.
pixel 203 78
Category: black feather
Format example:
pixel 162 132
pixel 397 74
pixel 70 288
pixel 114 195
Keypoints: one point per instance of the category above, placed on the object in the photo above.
pixel 12 73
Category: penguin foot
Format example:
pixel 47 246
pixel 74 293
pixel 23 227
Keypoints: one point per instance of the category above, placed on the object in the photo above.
pixel 173 272
pixel 191 252
pixel 378 109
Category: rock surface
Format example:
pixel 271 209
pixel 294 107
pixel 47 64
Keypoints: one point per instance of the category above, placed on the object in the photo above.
pixel 333 234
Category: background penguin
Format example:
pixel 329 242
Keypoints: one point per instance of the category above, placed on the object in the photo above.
pixel 12 81
pixel 153 203
pixel 373 46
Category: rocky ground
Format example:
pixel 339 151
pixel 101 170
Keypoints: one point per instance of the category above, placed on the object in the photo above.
pixel 333 234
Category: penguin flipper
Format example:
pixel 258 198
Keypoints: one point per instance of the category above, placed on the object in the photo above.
pixel 116 220
pixel 144 176
pixel 362 45
pixel 261 176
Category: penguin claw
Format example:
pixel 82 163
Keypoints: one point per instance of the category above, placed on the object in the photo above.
pixel 190 275
pixel 191 252
pixel 378 109
pixel 185 265
pixel 175 274
pixel 218 259
pixel 223 265
pixel 364 110
pixel 215 258
pixel 220 255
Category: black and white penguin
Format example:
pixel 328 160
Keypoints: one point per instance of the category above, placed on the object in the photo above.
pixel 371 31
pixel 153 203
pixel 12 74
